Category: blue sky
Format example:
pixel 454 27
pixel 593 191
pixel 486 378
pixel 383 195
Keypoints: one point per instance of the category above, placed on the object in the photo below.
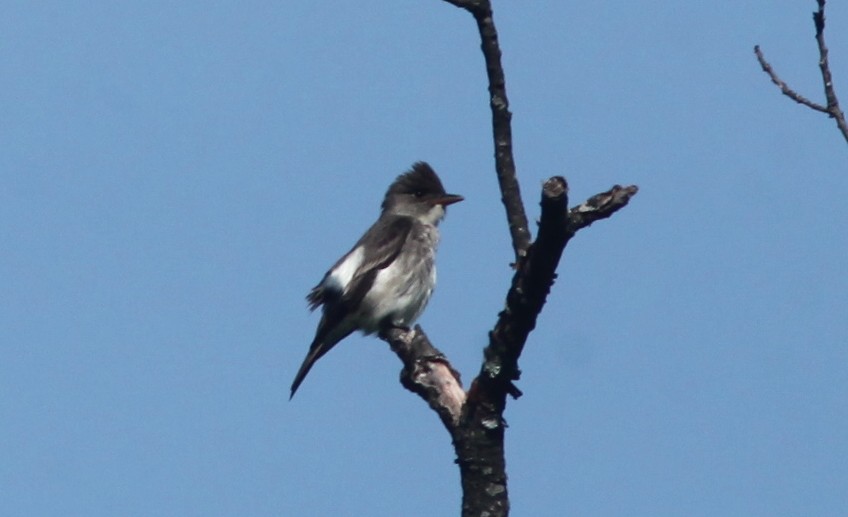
pixel 176 177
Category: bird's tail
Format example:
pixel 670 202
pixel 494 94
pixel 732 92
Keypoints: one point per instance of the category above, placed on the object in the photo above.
pixel 316 350
pixel 332 329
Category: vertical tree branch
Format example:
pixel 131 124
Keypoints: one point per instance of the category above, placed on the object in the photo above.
pixel 501 123
pixel 502 131
pixel 827 79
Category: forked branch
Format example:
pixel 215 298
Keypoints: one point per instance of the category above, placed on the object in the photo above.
pixel 832 106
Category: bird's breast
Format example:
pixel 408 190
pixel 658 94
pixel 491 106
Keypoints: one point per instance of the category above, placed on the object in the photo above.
pixel 401 291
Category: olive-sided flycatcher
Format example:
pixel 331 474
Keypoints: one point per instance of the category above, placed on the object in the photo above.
pixel 386 279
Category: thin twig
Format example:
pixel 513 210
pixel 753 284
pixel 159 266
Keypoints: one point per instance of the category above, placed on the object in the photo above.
pixel 784 88
pixel 832 108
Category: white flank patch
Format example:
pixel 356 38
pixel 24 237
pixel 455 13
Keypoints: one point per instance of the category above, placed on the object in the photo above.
pixel 340 276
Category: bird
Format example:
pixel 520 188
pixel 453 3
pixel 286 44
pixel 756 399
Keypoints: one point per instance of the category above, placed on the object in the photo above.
pixel 388 276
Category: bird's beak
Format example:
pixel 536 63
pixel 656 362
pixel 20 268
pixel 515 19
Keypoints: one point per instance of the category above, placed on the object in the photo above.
pixel 447 199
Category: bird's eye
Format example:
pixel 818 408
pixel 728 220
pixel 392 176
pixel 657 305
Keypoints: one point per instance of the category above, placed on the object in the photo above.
pixel 418 193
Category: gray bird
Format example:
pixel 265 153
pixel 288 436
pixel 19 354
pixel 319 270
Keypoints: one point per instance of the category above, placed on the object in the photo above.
pixel 387 278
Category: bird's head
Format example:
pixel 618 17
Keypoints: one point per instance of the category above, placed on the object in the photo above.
pixel 419 193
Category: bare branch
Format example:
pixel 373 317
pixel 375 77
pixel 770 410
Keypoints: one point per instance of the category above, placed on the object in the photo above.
pixel 501 124
pixel 600 206
pixel 827 79
pixel 535 275
pixel 427 373
pixel 531 283
pixel 784 88
pixel 832 108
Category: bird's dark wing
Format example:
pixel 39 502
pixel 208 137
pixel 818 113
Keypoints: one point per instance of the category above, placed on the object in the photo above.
pixel 382 243
pixel 379 254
